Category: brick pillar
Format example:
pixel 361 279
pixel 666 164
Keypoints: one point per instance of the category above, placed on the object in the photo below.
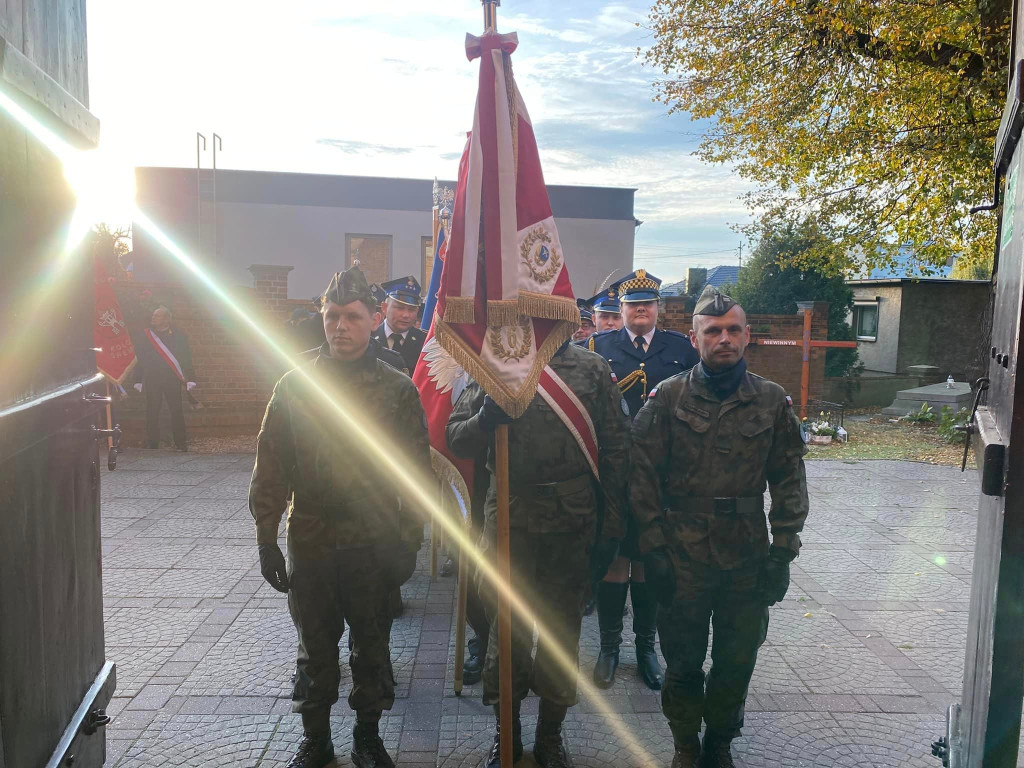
pixel 270 281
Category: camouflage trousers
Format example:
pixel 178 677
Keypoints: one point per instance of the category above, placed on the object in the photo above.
pixel 326 592
pixel 551 573
pixel 728 601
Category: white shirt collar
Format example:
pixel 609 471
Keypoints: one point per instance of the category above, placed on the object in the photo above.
pixel 647 337
pixel 388 331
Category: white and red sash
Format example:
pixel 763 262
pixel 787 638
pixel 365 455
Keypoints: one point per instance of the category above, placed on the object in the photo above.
pixel 165 353
pixel 572 412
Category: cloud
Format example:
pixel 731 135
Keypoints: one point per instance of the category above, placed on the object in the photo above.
pixel 364 147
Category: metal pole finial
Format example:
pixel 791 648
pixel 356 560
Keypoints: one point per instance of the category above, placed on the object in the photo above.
pixel 490 14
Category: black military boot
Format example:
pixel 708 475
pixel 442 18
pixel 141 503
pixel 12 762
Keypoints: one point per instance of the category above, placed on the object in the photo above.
pixel 473 666
pixel 716 753
pixel 645 626
pixel 493 759
pixel 316 748
pixel 611 598
pixel 368 748
pixel 687 752
pixel 548 747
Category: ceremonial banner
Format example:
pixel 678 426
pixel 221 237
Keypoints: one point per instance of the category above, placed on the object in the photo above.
pixel 116 356
pixel 506 303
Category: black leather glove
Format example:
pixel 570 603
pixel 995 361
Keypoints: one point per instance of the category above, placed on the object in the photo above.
pixel 602 556
pixel 273 568
pixel 774 578
pixel 660 575
pixel 491 415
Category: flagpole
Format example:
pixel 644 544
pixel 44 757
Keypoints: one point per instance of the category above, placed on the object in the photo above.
pixel 504 567
pixel 460 611
pixel 435 530
pixel 110 438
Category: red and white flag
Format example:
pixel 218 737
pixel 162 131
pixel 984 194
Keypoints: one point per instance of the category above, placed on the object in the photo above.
pixel 506 303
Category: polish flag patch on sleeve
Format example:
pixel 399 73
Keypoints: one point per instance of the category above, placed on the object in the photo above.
pixel 653 393
pixel 615 379
pixel 789 401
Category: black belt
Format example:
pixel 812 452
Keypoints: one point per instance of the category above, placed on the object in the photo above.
pixel 553 490
pixel 717 505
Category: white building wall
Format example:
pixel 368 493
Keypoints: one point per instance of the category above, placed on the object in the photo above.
pixel 312 240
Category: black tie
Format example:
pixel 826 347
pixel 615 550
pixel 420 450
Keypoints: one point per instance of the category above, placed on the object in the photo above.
pixel 396 341
pixel 639 341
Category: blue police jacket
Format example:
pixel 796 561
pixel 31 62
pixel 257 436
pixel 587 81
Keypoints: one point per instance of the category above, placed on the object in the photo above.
pixel 670 353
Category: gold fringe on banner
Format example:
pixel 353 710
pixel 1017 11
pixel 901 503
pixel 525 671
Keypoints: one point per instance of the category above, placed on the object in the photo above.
pixel 450 476
pixel 512 403
pixel 549 307
pixel 501 313
pixel 459 309
pixel 120 381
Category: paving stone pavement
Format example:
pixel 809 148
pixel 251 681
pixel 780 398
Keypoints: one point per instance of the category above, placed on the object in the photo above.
pixel 861 661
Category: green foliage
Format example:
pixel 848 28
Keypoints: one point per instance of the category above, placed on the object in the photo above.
pixel 770 283
pixel 972 270
pixel 948 423
pixel 924 416
pixel 880 117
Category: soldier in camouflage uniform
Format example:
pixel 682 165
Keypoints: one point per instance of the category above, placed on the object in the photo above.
pixel 565 527
pixel 352 537
pixel 706 445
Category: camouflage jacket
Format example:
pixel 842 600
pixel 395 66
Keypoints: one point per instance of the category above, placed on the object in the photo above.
pixel 551 483
pixel 701 466
pixel 342 494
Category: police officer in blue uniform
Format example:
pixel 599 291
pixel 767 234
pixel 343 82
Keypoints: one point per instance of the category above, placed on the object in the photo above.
pixel 400 331
pixel 607 310
pixel 641 356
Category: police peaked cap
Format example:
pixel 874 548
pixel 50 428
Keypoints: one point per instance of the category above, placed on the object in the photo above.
pixel 607 300
pixel 348 286
pixel 639 286
pixel 713 302
pixel 404 289
pixel 586 311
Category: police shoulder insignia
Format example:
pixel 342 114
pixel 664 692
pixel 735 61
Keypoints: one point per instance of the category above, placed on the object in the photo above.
pixel 622 402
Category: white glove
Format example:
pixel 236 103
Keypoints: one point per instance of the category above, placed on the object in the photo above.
pixel 190 386
pixel 138 387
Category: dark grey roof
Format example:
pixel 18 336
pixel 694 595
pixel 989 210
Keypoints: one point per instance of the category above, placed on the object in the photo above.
pixel 272 188
pixel 723 274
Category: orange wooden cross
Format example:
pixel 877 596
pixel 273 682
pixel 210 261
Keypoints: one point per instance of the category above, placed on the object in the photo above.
pixel 806 343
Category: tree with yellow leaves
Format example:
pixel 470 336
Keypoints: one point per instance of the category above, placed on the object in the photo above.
pixel 876 117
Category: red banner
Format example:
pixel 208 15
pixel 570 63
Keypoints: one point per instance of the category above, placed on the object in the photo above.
pixel 116 355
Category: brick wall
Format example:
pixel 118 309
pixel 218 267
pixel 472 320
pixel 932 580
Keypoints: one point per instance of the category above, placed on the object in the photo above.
pixel 234 375
pixel 781 364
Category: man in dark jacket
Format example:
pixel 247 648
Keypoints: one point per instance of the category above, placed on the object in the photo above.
pixel 353 533
pixel 566 510
pixel 164 365
pixel 401 309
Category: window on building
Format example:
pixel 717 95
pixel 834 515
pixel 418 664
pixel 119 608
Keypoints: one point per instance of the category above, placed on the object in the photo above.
pixel 427 244
pixel 373 253
pixel 865 321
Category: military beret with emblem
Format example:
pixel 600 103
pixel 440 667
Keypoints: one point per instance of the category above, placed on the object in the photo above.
pixel 348 286
pixel 404 289
pixel 713 302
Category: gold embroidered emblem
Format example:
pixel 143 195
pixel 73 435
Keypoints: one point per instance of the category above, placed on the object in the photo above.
pixel 511 343
pixel 539 254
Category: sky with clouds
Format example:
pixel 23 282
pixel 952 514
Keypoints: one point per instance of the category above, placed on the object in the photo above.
pixel 383 88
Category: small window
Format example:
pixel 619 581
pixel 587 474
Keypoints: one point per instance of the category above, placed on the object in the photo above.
pixel 865 321
pixel 373 253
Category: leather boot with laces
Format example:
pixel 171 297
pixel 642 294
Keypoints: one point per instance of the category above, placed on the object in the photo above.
pixel 716 753
pixel 368 748
pixel 493 759
pixel 687 753
pixel 548 747
pixel 314 751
